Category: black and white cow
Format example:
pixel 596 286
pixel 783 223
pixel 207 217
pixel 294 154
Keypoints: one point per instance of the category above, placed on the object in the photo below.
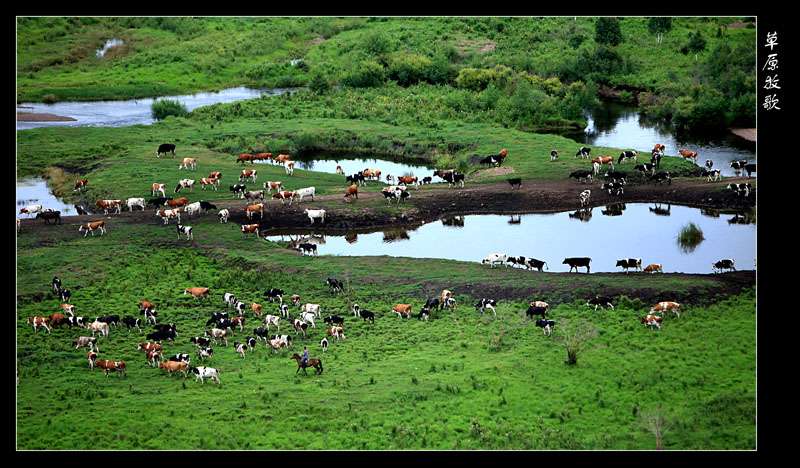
pixel 205 352
pixel 484 304
pixel 737 166
pixel 537 264
pixel 617 188
pixel 306 248
pixel 398 195
pixel 64 294
pixel 616 176
pixel 180 357
pixel 453 178
pixel 711 175
pixel 600 301
pixel 335 285
pixel 575 262
pixel 186 231
pixel 553 155
pixel 645 168
pixel 273 293
pixel 742 190
pixel 630 263
pixel 364 314
pixel 625 155
pixel 200 341
pixel 656 160
pixel 546 326
pixel 204 373
pixel 584 197
pixel 331 319
pixel 724 264
pixel 660 177
pixel 131 322
pixel 584 152
pixel 238 189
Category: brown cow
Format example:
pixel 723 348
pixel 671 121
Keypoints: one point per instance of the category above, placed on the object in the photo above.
pixel 91 227
pixel 253 209
pixel 173 366
pixel 178 203
pixel 118 366
pixel 147 346
pixel 106 205
pixel 40 322
pixel 401 309
pixel 689 155
pixel 198 292
pixel 81 184
pixel 250 229
pixel 352 191
pixel 244 157
pixel 58 319
pixel 653 268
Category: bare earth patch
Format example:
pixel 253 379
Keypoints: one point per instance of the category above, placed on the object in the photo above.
pixel 31 117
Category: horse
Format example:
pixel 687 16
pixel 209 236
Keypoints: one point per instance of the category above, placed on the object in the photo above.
pixel 312 362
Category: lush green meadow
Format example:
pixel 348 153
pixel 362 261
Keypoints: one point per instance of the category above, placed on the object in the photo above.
pixel 460 381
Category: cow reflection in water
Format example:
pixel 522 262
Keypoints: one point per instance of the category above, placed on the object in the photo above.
pixel 456 221
pixel 659 210
pixel 711 213
pixel 295 242
pixel 743 218
pixel 515 220
pixel 614 209
pixel 394 236
pixel 584 214
pixel 351 238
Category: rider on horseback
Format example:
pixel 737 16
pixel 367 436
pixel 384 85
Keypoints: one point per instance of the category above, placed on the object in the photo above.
pixel 304 363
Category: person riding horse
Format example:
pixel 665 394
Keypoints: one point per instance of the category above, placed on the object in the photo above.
pixel 304 363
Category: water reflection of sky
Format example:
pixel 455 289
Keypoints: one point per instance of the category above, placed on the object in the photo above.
pixel 35 192
pixel 638 232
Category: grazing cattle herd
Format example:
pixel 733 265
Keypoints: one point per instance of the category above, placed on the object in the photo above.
pixel 221 326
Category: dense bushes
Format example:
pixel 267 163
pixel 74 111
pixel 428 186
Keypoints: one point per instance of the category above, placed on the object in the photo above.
pixel 162 108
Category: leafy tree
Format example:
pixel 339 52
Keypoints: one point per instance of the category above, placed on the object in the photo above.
pixel 607 31
pixel 367 73
pixel 319 83
pixel 658 26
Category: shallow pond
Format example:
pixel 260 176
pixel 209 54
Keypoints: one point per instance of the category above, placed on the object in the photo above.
pixel 647 231
pixel 35 192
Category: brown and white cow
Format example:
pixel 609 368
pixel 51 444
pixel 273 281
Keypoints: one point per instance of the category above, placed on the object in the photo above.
pixel 80 184
pixel 408 180
pixel 689 155
pixel 295 299
pixel 198 293
pixel 372 174
pixel 248 174
pixel 159 188
pixel 289 167
pixel 40 322
pixel 107 366
pixel 281 158
pixel 653 268
pixel 250 229
pixel 68 309
pixel 187 163
pixel 652 321
pixel 31 210
pixel 93 226
pixel 659 148
pixel 148 346
pixel 174 366
pixel 106 205
pixel 58 319
pixel 286 195
pixel 208 181
pixel 166 215
pixel 153 356
pixel 253 209
pixel 82 341
pixel 215 175
pixel 146 305
pixel 277 185
pixel 91 356
pixel 218 333
pixel 336 332
pixel 666 306
pixel 401 309
pixel 258 310
pixel 98 326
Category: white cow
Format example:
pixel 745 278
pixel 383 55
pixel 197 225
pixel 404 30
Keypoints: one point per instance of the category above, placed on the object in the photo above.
pixel 187 230
pixel 97 326
pixel 205 373
pixel 495 258
pixel 192 208
pixel 313 309
pixel 316 214
pixel 308 317
pixel 272 320
pixel 31 210
pixel 131 202
pixel 584 197
pixel 223 215
pixel 304 192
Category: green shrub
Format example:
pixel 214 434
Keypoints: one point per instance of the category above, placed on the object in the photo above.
pixel 368 73
pixel 162 108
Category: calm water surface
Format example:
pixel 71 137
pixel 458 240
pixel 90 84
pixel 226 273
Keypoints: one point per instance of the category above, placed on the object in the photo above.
pixel 646 231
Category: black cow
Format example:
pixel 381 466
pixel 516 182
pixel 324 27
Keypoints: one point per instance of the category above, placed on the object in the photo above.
pixel 357 178
pixel 750 168
pixel 47 215
pixel 575 262
pixel 166 327
pixel 426 180
pixel 334 319
pixel 273 293
pixel 162 335
pixel 616 176
pixel 513 182
pixel 336 285
pixel 581 175
pixel 630 263
pixel 494 159
pixel 726 264
pixel 536 310
pixel 165 148
pixel 207 206
pixel 364 314
pixel 600 301
pixel 660 177
pixel 131 322
pixel 432 303
pixel 156 202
